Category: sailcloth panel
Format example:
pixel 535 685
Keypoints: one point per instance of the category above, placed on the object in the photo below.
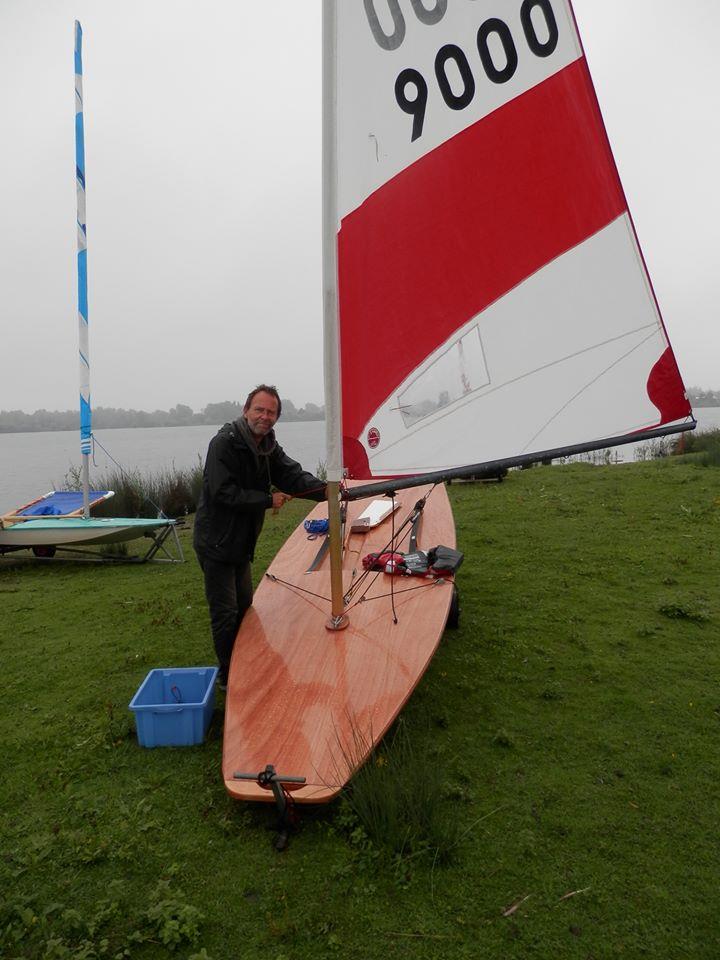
pixel 493 299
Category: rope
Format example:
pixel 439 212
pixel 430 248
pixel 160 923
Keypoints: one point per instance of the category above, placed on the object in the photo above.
pixel 392 578
pixel 126 476
pixel 294 586
pixel 393 543
pixel 380 596
pixel 316 526
pixel 364 598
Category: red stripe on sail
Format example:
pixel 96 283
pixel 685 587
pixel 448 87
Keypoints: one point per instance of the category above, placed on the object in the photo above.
pixel 464 225
pixel 666 390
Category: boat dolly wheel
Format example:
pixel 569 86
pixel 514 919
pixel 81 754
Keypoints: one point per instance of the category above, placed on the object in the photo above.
pixel 44 552
pixel 453 620
pixel 287 815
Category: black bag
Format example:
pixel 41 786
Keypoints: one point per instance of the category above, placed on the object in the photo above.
pixel 417 563
pixel 444 561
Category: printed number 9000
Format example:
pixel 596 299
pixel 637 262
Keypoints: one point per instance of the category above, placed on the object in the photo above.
pixel 412 81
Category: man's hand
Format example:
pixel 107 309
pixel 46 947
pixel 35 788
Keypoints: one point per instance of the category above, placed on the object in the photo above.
pixel 279 499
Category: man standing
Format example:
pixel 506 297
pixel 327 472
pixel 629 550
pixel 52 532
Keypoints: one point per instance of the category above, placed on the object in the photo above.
pixel 245 472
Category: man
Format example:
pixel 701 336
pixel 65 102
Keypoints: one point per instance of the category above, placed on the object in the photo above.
pixel 246 473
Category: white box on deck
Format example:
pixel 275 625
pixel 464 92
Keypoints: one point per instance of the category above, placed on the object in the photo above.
pixel 374 514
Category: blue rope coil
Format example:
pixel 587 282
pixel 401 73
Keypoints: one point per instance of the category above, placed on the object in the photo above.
pixel 316 526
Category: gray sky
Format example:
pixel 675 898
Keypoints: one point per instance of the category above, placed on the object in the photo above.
pixel 203 190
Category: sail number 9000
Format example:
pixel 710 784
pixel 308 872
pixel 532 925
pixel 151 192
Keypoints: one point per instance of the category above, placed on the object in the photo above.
pixel 411 89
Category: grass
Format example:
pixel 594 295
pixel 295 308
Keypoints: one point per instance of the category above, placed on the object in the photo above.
pixel 574 716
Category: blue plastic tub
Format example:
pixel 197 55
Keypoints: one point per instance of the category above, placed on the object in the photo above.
pixel 173 706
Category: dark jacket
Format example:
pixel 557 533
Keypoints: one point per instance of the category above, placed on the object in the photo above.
pixel 236 491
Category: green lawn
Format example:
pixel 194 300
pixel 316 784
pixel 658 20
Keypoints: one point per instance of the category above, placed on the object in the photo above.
pixel 573 718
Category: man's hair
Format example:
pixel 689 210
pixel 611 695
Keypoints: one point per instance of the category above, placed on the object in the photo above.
pixel 263 388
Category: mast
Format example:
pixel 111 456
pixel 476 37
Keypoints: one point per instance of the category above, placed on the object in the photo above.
pixel 83 343
pixel 330 311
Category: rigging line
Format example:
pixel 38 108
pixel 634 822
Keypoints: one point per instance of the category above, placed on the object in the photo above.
pixel 365 575
pixel 392 579
pixel 464 401
pixel 380 596
pixel 311 490
pixel 353 589
pixel 392 544
pixel 586 387
pixel 294 586
pixel 126 476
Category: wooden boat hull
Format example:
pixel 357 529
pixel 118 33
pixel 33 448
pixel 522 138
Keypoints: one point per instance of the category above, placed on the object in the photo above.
pixel 310 701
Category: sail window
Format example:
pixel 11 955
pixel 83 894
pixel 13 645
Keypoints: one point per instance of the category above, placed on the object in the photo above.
pixel 459 371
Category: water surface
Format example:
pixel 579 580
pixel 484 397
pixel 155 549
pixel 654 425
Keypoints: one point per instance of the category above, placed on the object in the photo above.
pixel 33 463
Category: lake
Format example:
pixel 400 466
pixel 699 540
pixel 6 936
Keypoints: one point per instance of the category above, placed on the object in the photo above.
pixel 33 463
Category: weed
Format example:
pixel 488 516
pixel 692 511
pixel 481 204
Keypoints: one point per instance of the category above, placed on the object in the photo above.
pixel 170 920
pixel 114 549
pixel 503 739
pixel 703 442
pixel 173 492
pixel 694 611
pixel 399 798
pixel 552 692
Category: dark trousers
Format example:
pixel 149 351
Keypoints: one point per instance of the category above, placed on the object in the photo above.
pixel 229 592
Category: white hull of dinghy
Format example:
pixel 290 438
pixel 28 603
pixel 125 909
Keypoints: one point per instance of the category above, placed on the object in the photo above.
pixel 77 531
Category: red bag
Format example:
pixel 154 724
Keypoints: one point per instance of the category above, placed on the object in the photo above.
pixel 390 562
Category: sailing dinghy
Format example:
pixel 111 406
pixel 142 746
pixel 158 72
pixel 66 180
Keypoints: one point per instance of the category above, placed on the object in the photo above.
pixel 44 532
pixel 486 306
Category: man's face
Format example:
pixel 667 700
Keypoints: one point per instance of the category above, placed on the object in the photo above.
pixel 262 414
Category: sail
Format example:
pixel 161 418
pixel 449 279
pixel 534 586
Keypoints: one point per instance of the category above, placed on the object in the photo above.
pixel 493 298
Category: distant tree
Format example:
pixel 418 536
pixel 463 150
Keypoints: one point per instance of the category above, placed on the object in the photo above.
pixel 700 397
pixel 311 411
pixel 222 412
pixel 180 415
pixel 107 418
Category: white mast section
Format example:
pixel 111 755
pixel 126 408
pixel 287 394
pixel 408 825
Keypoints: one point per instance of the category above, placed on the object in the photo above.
pixel 83 340
pixel 333 413
pixel 333 427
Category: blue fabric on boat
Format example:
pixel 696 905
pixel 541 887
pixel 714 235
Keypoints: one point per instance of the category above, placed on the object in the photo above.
pixel 317 526
pixel 60 502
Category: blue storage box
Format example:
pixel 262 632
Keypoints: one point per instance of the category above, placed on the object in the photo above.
pixel 173 706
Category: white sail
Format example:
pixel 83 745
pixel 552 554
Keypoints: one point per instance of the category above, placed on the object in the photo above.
pixel 493 297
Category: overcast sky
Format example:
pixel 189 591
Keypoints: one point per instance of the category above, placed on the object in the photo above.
pixel 203 132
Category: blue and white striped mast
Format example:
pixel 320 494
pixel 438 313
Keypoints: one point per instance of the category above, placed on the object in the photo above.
pixel 83 339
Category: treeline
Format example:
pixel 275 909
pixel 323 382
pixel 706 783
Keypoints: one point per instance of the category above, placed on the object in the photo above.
pixel 703 398
pixel 105 418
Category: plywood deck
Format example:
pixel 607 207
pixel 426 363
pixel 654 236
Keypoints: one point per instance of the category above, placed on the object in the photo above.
pixel 311 701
